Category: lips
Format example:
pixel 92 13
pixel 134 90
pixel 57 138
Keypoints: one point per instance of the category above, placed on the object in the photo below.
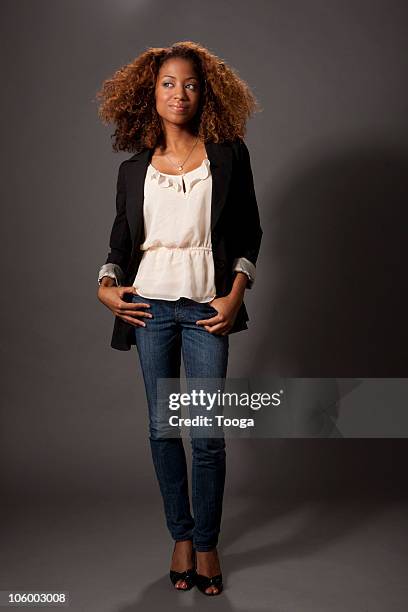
pixel 179 108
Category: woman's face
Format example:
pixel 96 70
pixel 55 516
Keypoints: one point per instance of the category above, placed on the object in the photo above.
pixel 177 91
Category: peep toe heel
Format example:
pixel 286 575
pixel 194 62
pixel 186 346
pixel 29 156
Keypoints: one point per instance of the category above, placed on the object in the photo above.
pixel 188 576
pixel 203 582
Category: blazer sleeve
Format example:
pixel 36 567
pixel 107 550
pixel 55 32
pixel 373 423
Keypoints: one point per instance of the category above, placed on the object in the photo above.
pixel 120 241
pixel 247 225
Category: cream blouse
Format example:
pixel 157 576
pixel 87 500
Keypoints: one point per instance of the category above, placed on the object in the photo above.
pixel 177 259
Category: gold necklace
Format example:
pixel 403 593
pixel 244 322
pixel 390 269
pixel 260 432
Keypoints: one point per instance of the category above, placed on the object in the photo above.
pixel 181 166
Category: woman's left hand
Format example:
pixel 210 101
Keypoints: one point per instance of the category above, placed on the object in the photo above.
pixel 221 323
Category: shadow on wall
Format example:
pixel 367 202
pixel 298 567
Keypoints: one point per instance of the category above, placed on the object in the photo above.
pixel 333 283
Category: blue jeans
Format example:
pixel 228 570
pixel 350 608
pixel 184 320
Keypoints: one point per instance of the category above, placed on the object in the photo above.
pixel 171 332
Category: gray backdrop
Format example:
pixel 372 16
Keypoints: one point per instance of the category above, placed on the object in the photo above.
pixel 330 159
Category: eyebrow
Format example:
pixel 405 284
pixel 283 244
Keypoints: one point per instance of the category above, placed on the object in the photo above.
pixel 173 77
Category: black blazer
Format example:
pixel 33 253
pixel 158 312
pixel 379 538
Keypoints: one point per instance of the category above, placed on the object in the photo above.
pixel 235 225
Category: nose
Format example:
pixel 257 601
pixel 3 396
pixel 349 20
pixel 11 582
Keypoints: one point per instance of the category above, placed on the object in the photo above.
pixel 180 93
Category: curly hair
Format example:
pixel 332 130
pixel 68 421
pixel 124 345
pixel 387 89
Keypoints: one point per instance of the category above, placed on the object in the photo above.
pixel 128 98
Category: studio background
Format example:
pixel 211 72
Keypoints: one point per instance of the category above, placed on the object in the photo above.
pixel 329 155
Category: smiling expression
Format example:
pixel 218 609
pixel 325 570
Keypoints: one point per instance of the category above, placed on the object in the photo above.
pixel 177 91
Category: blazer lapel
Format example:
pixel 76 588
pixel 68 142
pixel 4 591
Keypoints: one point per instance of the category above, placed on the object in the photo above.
pixel 220 157
pixel 135 191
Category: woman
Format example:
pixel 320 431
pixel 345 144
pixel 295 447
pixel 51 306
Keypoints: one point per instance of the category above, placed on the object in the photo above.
pixel 183 248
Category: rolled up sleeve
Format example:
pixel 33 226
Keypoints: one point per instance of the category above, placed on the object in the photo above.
pixel 242 264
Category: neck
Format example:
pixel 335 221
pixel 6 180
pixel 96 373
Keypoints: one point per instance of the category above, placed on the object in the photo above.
pixel 178 140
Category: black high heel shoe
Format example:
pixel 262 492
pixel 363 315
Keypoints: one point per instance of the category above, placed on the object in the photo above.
pixel 188 576
pixel 203 582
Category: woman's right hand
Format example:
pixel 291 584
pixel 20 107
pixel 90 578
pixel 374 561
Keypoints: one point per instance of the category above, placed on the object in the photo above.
pixel 112 297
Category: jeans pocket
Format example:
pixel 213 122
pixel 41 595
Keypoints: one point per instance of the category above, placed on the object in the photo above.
pixel 139 297
pixel 211 308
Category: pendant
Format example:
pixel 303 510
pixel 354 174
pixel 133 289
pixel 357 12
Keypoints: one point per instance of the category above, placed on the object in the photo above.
pixel 180 167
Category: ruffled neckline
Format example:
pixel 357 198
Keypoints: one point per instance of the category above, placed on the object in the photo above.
pixel 175 180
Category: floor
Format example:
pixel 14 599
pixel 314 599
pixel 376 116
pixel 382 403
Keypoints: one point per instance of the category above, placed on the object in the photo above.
pixel 290 555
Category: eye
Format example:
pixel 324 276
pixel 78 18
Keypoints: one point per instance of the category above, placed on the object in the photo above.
pixel 190 85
